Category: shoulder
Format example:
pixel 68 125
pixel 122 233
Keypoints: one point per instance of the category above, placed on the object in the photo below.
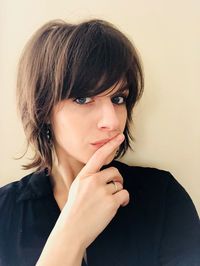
pixel 156 186
pixel 10 207
pixel 15 185
pixel 31 186
pixel 162 203
pixel 144 177
pixel 141 171
pixel 10 192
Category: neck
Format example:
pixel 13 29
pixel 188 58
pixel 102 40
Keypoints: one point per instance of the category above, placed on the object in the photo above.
pixel 64 172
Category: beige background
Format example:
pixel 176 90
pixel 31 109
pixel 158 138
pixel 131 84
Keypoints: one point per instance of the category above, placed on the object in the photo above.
pixel 167 121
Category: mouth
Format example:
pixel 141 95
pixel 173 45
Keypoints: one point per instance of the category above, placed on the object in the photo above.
pixel 103 141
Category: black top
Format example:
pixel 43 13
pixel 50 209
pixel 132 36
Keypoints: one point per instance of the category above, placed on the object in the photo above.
pixel 159 226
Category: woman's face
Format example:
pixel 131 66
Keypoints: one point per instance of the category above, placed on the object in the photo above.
pixel 82 125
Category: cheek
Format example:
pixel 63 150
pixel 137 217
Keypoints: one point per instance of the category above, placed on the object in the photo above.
pixel 71 131
pixel 122 114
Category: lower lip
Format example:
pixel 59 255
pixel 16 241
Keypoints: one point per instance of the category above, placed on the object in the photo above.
pixel 98 145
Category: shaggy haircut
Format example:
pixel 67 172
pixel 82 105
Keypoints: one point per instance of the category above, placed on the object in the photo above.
pixel 63 61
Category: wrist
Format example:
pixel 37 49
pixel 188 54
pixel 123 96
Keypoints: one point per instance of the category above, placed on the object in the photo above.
pixel 63 247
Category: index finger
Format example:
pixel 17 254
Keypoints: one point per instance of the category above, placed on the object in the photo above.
pixel 99 157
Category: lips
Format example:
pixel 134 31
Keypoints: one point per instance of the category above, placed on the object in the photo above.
pixel 103 141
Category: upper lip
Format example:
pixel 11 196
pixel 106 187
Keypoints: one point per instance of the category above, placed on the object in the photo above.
pixel 103 141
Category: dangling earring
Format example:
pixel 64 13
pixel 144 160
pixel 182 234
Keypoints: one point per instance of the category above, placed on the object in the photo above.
pixel 117 152
pixel 48 134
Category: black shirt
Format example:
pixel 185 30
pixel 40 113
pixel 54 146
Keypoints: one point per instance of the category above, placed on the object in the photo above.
pixel 159 226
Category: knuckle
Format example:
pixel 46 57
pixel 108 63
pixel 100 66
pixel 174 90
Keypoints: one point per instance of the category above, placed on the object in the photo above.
pixel 126 194
pixel 123 197
pixel 119 176
pixel 115 170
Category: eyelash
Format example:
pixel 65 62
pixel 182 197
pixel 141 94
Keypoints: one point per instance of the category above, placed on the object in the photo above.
pixel 117 96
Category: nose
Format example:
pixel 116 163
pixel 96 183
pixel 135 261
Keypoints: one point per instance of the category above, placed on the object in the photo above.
pixel 109 117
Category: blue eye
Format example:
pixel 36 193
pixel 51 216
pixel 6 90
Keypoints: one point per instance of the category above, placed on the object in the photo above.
pixel 119 99
pixel 83 100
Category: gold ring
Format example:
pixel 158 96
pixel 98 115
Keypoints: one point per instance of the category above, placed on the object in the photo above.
pixel 116 187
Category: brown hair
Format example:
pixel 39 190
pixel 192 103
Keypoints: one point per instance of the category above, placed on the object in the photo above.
pixel 64 60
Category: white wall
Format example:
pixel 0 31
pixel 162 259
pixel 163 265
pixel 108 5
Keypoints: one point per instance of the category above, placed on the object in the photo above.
pixel 167 120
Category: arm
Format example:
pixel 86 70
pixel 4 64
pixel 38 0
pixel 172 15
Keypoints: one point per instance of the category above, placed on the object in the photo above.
pixel 63 247
pixel 92 203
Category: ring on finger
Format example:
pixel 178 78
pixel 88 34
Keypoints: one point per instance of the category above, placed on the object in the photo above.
pixel 115 184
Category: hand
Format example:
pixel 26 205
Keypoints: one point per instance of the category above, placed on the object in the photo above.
pixel 92 200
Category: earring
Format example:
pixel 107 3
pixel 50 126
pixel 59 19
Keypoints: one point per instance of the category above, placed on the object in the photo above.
pixel 48 134
pixel 117 152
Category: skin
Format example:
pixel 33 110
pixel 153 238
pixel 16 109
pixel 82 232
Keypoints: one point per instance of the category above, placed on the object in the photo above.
pixel 76 123
pixel 92 204
pixel 91 201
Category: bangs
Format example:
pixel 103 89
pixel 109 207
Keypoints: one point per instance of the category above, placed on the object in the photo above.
pixel 97 60
pixel 63 61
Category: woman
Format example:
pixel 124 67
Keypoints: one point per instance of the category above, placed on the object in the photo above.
pixel 77 86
